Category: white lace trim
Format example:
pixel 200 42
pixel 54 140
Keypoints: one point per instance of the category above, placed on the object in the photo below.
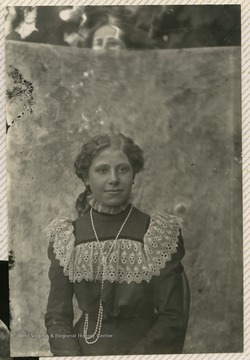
pixel 137 261
pixel 113 210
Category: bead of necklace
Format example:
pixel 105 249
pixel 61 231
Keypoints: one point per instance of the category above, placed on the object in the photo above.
pixel 91 339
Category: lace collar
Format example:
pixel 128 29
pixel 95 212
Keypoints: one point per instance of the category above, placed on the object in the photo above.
pixel 129 261
pixel 101 208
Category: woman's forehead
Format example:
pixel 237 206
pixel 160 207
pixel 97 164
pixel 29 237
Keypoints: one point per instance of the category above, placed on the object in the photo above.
pixel 110 156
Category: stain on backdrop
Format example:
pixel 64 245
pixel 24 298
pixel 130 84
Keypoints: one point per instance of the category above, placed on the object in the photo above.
pixel 183 107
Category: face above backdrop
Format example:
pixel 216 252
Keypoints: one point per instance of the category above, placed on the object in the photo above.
pixel 107 38
pixel 111 177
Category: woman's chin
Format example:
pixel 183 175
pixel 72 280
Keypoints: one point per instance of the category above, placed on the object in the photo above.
pixel 114 203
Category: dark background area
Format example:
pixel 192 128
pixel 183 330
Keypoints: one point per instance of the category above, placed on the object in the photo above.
pixel 143 27
pixel 4 293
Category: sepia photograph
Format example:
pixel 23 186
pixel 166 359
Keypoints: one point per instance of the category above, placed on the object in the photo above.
pixel 124 178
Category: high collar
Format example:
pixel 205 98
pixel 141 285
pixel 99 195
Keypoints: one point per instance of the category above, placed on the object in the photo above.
pixel 101 208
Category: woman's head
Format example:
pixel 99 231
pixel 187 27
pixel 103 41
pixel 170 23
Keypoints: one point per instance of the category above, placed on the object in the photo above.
pixel 107 164
pixel 115 141
pixel 108 37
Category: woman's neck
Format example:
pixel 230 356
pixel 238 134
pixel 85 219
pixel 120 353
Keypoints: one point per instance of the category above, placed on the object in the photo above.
pixel 101 208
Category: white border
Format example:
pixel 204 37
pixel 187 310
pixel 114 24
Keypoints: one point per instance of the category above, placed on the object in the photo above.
pixel 245 16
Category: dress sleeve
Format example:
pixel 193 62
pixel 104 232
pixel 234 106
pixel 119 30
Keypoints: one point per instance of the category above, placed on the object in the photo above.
pixel 59 316
pixel 168 329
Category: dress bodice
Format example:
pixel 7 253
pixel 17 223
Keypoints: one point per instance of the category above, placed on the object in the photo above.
pixel 144 247
pixel 142 281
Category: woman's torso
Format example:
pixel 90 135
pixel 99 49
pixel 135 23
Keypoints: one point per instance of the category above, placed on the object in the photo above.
pixel 122 296
pixel 142 250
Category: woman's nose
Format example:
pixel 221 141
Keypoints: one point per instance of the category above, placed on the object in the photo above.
pixel 113 178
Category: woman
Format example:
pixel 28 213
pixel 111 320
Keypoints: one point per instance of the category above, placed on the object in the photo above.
pixel 123 266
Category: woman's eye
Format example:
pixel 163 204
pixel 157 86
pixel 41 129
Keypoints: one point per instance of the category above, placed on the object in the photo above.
pixel 123 169
pixel 102 170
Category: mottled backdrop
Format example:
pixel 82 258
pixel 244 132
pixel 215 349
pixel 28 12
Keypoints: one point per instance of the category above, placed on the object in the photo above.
pixel 183 108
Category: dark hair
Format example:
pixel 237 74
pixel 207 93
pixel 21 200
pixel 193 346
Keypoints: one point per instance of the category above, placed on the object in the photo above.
pixel 93 147
pixel 115 140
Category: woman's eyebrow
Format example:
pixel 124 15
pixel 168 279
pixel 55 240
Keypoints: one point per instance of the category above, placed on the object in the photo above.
pixel 101 164
pixel 108 165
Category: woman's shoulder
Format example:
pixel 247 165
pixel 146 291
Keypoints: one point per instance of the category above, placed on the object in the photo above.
pixel 158 215
pixel 164 234
pixel 165 220
pixel 159 220
pixel 59 227
pixel 60 233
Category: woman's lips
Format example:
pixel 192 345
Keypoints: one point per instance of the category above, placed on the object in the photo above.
pixel 114 191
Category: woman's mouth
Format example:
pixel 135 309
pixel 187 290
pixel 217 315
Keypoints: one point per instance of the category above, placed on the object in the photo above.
pixel 114 191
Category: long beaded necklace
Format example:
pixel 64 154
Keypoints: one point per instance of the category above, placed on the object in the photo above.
pixel 91 339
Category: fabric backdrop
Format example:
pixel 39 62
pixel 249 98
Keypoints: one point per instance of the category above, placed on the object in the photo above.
pixel 183 107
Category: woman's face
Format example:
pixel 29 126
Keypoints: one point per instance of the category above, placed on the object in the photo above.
pixel 110 177
pixel 107 38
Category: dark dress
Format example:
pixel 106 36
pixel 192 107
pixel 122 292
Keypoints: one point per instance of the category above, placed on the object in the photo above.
pixel 143 289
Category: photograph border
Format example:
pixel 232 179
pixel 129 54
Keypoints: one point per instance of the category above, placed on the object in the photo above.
pixel 245 45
